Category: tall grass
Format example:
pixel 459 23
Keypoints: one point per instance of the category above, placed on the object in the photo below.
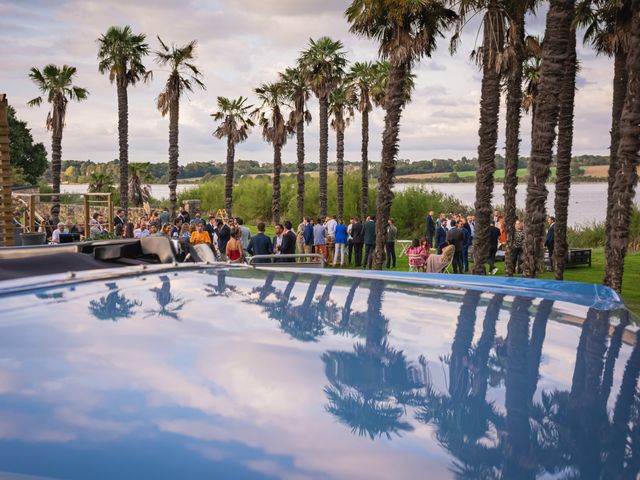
pixel 594 234
pixel 252 200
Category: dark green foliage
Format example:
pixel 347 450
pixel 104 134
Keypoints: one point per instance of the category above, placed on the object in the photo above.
pixel 29 157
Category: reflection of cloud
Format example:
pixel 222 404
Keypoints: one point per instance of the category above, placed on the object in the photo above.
pixel 18 426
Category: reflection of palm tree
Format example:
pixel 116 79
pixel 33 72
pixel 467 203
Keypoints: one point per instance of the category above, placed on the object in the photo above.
pixel 370 386
pixel 300 322
pixel 170 305
pixel 345 325
pixel 612 356
pixel 460 349
pixel 221 289
pixel 538 333
pixel 113 306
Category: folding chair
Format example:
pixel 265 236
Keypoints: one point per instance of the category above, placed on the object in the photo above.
pixel 415 268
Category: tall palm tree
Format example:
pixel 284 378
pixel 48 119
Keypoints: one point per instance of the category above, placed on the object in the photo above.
pixel 184 76
pixel 341 109
pixel 120 54
pixel 407 31
pixel 298 94
pixel 323 64
pixel 275 130
pixel 531 74
pixel 100 181
pixel 554 54
pixel 607 26
pixel 515 47
pixel 235 116
pixel 57 84
pixel 563 161
pixel 360 79
pixel 627 158
pixel 491 57
pixel 380 86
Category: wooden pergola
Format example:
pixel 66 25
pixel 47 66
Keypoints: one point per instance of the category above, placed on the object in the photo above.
pixel 90 200
pixel 6 209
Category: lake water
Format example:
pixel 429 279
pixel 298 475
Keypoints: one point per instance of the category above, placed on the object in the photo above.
pixel 587 203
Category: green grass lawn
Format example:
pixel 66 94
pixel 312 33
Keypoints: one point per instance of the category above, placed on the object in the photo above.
pixel 630 290
pixel 498 174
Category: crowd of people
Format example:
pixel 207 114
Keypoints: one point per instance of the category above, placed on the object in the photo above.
pixel 338 242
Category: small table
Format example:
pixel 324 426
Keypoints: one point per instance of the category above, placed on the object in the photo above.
pixel 405 244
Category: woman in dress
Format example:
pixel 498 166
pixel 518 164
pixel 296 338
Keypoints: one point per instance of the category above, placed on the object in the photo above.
pixel 417 256
pixel 235 254
pixel 435 263
pixel 200 235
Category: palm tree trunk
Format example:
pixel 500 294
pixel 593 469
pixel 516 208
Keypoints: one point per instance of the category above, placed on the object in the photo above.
pixel 340 169
pixel 563 171
pixel 554 54
pixel 300 167
pixel 228 180
pixel 483 348
pixel 514 108
pixel 620 80
pixel 324 152
pixel 174 116
pixel 489 112
pixel 277 168
pixel 538 334
pixel 364 199
pixel 123 144
pixel 461 345
pixel 627 158
pixel 56 167
pixel 395 102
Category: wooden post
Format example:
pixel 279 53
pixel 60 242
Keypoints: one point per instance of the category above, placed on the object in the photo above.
pixel 6 207
pixel 32 214
pixel 87 230
pixel 110 224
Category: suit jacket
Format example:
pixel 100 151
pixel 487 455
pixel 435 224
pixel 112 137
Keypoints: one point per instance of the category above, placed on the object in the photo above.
pixel 118 221
pixel 551 237
pixel 224 235
pixel 455 236
pixel 431 225
pixel 288 246
pixel 494 237
pixel 260 245
pixel 357 233
pixel 441 237
pixel 369 232
pixel 308 234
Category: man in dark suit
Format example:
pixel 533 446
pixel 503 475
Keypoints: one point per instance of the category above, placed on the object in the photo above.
pixel 441 238
pixel 369 241
pixel 494 239
pixel 357 233
pixel 288 246
pixel 224 235
pixel 455 237
pixel 260 244
pixel 431 228
pixel 551 239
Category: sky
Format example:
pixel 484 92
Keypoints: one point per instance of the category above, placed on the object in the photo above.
pixel 241 44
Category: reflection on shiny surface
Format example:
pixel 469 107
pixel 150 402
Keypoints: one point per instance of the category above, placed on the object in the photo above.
pixel 278 375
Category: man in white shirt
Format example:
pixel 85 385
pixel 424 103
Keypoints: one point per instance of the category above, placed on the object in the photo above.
pixel 245 234
pixel 55 236
pixel 141 232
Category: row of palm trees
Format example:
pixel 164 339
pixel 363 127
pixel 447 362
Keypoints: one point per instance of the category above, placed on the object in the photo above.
pixel 407 32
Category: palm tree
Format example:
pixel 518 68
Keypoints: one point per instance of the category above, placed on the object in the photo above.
pixel 275 130
pixel 341 109
pixel 607 26
pixel 170 305
pixel 183 78
pixel 407 31
pixel 298 94
pixel 236 124
pixel 490 56
pixel 515 49
pixel 120 54
pixel 361 79
pixel 563 161
pixel 57 84
pixel 113 306
pixel 323 64
pixel 531 74
pixel 139 189
pixel 555 51
pixel 380 86
pixel 100 182
pixel 627 158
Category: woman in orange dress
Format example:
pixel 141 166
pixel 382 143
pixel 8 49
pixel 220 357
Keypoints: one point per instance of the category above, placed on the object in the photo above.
pixel 200 235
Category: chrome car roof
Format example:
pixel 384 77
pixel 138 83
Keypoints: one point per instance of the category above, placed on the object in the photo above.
pixel 212 371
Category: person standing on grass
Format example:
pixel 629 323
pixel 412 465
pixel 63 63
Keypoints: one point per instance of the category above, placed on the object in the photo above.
pixel 288 246
pixel 300 237
pixel 245 234
pixel 330 225
pixel 466 230
pixel 518 247
pixel 369 241
pixel 277 240
pixel 494 240
pixel 308 236
pixel 260 244
pixel 164 216
pixel 455 236
pixel 224 234
pixel 357 234
pixel 431 227
pixel 390 247
pixel 341 242
pixel 551 239
pixel 441 238
pixel 319 239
